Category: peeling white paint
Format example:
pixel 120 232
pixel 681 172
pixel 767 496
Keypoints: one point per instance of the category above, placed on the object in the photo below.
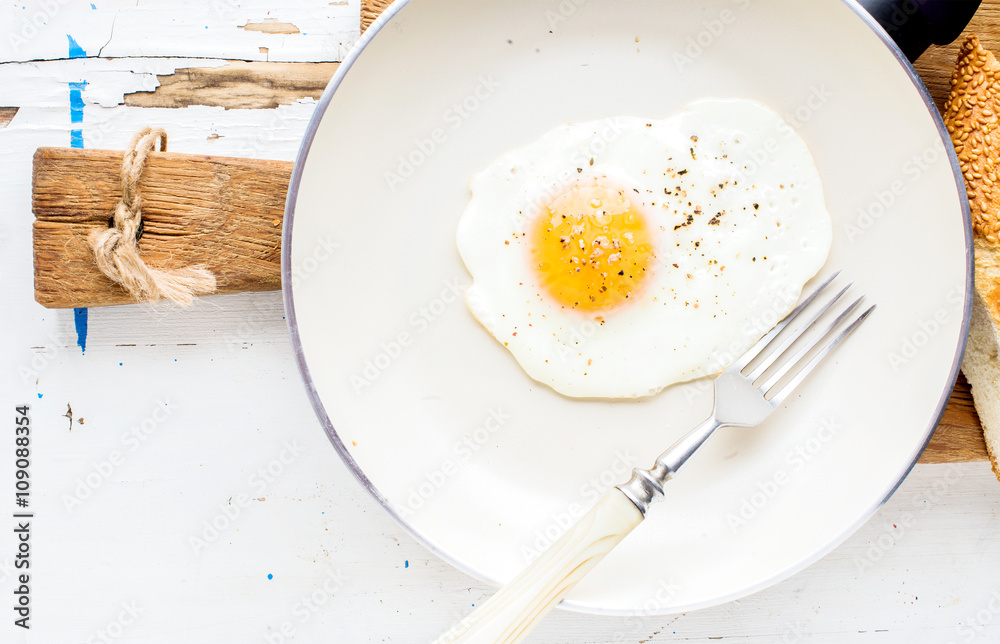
pixel 269 134
pixel 108 81
pixel 250 133
pixel 42 91
pixel 38 29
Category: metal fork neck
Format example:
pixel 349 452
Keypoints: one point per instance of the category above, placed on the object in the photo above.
pixel 646 486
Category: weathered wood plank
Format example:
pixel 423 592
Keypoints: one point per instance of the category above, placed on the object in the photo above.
pixel 959 435
pixel 370 10
pixel 7 115
pixel 222 212
pixel 36 31
pixel 937 63
pixel 271 26
pixel 239 84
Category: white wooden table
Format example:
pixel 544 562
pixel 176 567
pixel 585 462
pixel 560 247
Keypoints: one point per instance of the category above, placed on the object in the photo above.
pixel 182 489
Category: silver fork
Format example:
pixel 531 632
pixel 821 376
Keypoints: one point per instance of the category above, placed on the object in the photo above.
pixel 741 399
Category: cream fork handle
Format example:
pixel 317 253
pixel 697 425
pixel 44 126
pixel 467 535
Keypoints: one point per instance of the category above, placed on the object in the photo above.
pixel 520 605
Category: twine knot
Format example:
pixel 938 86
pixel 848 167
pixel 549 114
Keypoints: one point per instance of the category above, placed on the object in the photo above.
pixel 116 248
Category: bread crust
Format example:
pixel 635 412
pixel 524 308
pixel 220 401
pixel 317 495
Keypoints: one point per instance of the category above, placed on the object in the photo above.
pixel 972 115
pixel 981 363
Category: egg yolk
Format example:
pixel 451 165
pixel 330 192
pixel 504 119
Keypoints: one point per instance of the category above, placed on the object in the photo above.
pixel 591 248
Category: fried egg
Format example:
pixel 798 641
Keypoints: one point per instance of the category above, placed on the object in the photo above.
pixel 616 257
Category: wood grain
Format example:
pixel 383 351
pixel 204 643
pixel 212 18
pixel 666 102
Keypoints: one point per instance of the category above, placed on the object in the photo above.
pixel 7 115
pixel 222 212
pixel 937 63
pixel 959 436
pixel 370 10
pixel 244 85
pixel 271 26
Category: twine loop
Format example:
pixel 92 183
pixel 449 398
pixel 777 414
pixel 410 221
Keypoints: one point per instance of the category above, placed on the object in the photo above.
pixel 116 248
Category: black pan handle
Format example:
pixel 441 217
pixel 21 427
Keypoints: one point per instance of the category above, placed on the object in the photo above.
pixel 915 24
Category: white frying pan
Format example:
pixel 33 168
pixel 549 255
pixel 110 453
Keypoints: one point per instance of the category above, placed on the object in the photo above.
pixel 484 466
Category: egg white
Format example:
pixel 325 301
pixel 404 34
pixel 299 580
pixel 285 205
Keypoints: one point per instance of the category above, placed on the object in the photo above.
pixel 722 275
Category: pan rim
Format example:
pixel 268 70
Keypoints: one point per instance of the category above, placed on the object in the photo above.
pixel 341 448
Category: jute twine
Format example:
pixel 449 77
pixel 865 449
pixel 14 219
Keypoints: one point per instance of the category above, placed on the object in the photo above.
pixel 116 248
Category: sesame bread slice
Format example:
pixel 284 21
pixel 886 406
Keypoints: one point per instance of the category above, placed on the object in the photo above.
pixel 972 115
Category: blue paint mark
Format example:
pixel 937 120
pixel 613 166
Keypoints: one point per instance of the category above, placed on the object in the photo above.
pixel 76 112
pixel 76 101
pixel 92 6
pixel 75 50
pixel 119 364
pixel 76 141
pixel 270 576
pixel 39 395
pixel 76 96
pixel 80 318
pixel 406 564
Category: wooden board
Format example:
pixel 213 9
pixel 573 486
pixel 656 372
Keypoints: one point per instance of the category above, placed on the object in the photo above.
pixel 222 212
pixel 937 63
pixel 232 224
pixel 237 85
pixel 370 10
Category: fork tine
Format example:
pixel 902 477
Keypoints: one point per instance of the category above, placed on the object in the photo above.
pixel 791 362
pixel 792 337
pixel 755 350
pixel 779 397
